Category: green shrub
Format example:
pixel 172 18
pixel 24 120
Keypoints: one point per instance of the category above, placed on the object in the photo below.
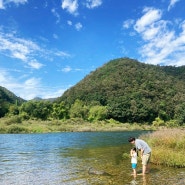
pixel 158 122
pixel 13 120
pixel 15 129
pixel 172 123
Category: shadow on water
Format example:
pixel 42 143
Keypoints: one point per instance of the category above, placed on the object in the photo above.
pixel 66 158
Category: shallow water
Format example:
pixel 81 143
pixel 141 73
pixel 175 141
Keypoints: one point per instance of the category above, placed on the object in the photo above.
pixel 64 158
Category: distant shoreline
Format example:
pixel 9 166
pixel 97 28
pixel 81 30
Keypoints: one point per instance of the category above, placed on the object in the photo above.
pixel 8 125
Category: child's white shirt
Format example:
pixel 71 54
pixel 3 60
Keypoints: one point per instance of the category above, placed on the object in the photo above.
pixel 134 158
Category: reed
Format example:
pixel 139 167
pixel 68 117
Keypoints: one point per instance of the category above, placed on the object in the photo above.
pixel 168 147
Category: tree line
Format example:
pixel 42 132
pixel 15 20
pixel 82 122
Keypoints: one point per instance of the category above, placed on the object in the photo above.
pixel 46 110
pixel 123 89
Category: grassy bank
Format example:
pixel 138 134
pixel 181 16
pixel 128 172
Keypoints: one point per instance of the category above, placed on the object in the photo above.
pixel 168 147
pixel 14 125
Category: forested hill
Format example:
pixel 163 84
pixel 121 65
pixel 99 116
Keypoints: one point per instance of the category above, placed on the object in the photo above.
pixel 133 91
pixel 6 99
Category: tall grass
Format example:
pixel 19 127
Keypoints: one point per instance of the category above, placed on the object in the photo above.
pixel 16 125
pixel 168 147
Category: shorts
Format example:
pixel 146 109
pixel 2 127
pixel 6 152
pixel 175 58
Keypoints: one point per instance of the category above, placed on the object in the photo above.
pixel 146 158
pixel 134 165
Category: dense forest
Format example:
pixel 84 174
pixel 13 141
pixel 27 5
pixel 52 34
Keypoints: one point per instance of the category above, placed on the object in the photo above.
pixel 123 89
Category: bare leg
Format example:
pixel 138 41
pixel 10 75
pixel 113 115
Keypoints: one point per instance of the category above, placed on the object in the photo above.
pixel 134 172
pixel 147 168
pixel 144 169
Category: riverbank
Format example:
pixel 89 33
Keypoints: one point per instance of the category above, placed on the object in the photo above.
pixel 12 125
pixel 168 146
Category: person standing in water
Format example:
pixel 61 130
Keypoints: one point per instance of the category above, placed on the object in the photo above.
pixel 145 152
pixel 133 154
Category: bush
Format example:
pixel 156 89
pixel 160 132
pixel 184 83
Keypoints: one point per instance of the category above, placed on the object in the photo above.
pixel 158 122
pixel 13 120
pixel 15 129
pixel 172 123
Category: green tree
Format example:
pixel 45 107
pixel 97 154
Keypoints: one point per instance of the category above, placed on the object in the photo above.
pixel 60 111
pixel 180 113
pixel 79 110
pixel 97 113
pixel 3 108
pixel 13 110
pixel 37 109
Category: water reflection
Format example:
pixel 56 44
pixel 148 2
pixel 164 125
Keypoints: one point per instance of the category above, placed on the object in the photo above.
pixel 64 158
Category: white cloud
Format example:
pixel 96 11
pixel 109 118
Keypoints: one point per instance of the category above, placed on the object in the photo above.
pixel 128 23
pixel 1 4
pixel 78 26
pixel 4 3
pixel 17 48
pixel 55 36
pixel 28 88
pixel 35 64
pixel 172 4
pixel 26 50
pixel 161 43
pixel 54 94
pixel 31 83
pixel 93 3
pixel 151 15
pixel 25 89
pixel 16 1
pixel 67 69
pixel 56 14
pixel 61 54
pixel 71 6
pixel 69 23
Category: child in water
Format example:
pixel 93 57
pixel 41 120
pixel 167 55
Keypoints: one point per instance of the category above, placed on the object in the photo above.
pixel 133 154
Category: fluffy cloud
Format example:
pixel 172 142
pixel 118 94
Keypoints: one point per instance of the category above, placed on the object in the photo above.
pixel 78 26
pixel 1 5
pixel 27 88
pixel 26 50
pixel 93 3
pixel 4 3
pixel 69 23
pixel 17 48
pixel 71 6
pixel 161 43
pixel 34 64
pixel 67 69
pixel 151 15
pixel 128 23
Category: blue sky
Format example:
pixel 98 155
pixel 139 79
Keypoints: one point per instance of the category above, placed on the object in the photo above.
pixel 47 46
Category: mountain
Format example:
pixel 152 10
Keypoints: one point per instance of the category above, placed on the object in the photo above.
pixel 132 91
pixel 40 99
pixel 7 98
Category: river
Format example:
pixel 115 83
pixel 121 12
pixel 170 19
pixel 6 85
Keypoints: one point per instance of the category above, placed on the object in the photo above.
pixel 64 159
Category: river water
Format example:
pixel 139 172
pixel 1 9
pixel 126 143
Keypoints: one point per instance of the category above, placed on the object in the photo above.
pixel 65 158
